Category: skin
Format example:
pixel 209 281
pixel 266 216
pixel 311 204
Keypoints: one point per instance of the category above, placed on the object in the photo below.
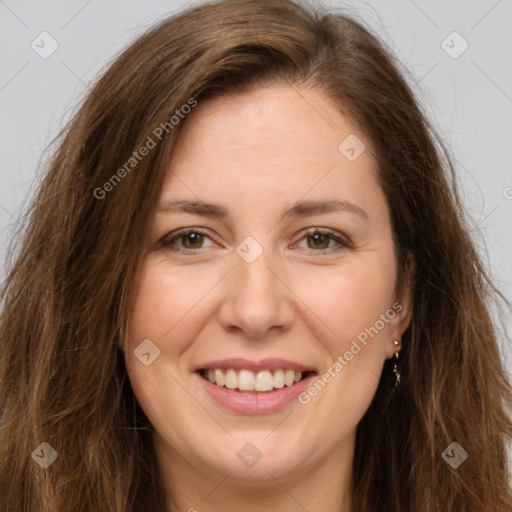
pixel 257 153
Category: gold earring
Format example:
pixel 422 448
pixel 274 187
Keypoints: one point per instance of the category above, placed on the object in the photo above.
pixel 395 367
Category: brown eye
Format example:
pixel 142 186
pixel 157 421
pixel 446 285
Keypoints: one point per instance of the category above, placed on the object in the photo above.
pixel 319 241
pixel 192 240
pixel 185 240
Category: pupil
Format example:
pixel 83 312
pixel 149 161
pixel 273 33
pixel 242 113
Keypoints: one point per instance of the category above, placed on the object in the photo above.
pixel 317 239
pixel 193 236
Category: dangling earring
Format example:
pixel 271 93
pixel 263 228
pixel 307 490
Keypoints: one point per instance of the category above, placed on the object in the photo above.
pixel 395 367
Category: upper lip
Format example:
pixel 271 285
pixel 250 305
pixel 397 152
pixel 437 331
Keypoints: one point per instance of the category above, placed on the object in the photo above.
pixel 255 366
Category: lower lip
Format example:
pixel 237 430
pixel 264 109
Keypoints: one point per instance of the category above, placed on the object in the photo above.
pixel 255 402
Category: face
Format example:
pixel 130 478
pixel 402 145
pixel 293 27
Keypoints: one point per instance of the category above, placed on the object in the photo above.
pixel 269 283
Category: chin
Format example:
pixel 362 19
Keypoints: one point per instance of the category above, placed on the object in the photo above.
pixel 256 460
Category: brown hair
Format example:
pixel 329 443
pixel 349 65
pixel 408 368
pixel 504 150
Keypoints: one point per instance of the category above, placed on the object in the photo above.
pixel 70 290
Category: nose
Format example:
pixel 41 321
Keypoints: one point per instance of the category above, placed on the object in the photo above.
pixel 257 300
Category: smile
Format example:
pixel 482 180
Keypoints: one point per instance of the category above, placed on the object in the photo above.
pixel 247 380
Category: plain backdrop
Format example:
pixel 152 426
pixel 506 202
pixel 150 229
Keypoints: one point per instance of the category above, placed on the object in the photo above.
pixel 459 54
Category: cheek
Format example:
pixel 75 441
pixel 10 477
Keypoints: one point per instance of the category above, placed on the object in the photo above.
pixel 355 344
pixel 352 300
pixel 170 310
pixel 355 304
pixel 159 315
pixel 166 303
pixel 164 310
pixel 156 302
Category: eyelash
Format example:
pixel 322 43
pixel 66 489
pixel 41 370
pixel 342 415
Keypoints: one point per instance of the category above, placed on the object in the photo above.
pixel 168 240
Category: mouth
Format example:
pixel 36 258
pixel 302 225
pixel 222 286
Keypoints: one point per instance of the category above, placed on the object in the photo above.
pixel 248 387
pixel 243 380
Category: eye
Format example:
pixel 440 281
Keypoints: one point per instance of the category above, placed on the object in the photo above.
pixel 192 238
pixel 319 239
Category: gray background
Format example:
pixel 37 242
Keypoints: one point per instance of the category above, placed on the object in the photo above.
pixel 469 98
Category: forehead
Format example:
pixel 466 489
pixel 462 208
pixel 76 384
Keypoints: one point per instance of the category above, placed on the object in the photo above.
pixel 278 143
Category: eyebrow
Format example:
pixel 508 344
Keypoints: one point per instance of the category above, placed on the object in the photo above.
pixel 298 210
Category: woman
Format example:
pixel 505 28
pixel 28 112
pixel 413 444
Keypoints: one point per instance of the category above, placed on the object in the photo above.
pixel 246 283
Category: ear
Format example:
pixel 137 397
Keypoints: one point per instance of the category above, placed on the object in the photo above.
pixel 403 306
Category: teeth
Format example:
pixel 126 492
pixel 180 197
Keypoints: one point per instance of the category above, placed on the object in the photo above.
pixel 231 381
pixel 246 380
pixel 219 377
pixel 289 377
pixel 264 381
pixel 278 379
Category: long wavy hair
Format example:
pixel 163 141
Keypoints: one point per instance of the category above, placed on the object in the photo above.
pixel 72 279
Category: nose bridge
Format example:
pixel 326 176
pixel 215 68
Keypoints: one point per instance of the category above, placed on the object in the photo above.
pixel 257 298
pixel 255 283
pixel 253 268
